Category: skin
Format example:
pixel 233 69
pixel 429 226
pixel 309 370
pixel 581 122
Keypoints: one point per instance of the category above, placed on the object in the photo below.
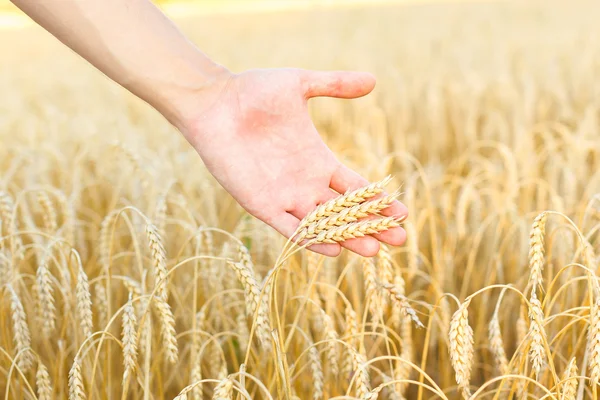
pixel 252 129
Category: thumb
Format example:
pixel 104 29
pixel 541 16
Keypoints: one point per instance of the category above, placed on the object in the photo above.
pixel 341 84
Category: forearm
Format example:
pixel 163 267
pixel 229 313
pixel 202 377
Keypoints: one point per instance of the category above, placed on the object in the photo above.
pixel 133 43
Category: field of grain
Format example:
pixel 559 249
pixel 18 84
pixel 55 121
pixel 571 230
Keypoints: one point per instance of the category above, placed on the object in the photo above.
pixel 127 272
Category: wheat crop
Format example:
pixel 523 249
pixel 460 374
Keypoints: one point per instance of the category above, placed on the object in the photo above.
pixel 127 272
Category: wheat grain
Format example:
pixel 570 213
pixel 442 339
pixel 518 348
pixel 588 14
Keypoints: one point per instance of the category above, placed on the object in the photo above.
pixel 461 348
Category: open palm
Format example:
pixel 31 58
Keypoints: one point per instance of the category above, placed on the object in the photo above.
pixel 256 137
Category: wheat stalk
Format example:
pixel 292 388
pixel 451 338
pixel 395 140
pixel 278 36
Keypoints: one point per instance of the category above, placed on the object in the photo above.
pixel 461 348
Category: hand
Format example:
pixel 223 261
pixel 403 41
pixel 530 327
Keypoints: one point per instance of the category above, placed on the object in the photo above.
pixel 254 134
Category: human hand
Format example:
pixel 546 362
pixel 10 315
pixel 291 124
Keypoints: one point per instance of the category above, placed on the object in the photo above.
pixel 254 134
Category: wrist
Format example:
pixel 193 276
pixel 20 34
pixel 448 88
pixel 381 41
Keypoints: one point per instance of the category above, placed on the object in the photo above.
pixel 196 91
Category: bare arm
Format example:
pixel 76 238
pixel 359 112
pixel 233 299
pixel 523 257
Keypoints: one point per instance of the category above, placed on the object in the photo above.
pixel 252 130
pixel 133 43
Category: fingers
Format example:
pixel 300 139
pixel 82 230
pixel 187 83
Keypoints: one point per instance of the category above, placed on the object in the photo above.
pixel 341 84
pixel 366 246
pixel 344 179
pixel 286 224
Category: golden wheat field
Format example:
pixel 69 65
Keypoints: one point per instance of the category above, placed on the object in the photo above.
pixel 126 272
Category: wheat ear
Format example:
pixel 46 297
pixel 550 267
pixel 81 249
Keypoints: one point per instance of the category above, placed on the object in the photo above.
pixel 254 302
pixel 385 269
pixel 46 309
pixel 129 335
pixel 331 337
pixel 347 215
pixel 461 348
pixel 76 390
pixel 362 380
pixel 159 260
pixel 316 370
pixel 223 390
pixel 344 201
pixel 42 382
pixel 167 328
pixel 370 282
pixel 49 212
pixel 536 251
pixel 569 386
pixel 21 335
pixel 537 334
pixel 395 294
pixel 84 303
pixel 497 345
pixel 593 342
pixel 359 229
